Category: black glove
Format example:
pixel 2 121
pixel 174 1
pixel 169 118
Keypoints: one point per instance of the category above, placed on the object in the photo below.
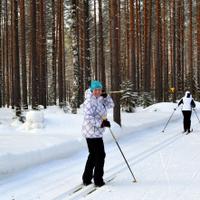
pixel 105 123
pixel 174 108
pixel 104 94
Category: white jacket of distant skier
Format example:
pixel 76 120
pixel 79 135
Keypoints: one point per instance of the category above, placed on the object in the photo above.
pixel 95 110
pixel 187 101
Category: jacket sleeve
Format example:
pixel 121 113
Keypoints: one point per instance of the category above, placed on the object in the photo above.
pixel 180 102
pixel 90 114
pixel 108 102
pixel 193 104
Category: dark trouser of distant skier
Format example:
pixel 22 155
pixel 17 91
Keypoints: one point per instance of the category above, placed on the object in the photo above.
pixel 188 104
pixel 95 111
pixel 187 120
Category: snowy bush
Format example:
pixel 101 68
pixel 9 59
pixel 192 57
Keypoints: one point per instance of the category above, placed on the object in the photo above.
pixel 40 107
pixel 67 108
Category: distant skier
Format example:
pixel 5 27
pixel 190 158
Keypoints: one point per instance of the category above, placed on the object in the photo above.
pixel 95 120
pixel 188 104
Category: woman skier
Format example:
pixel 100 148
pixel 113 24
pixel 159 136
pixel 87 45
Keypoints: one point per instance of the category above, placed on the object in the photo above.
pixel 95 120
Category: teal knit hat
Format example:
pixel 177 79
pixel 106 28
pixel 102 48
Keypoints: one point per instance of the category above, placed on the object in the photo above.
pixel 95 85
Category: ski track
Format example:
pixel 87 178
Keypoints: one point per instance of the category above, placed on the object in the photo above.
pixel 149 152
pixel 55 185
pixel 133 161
pixel 195 174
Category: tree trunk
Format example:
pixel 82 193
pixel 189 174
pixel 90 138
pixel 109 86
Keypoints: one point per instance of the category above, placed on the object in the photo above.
pixel 16 61
pixel 147 66
pixel 101 47
pixel 87 65
pixel 182 46
pixel 75 50
pixel 43 58
pixel 173 48
pixel 178 54
pixel 127 62
pixel 190 53
pixel 158 75
pixel 95 42
pixel 23 54
pixel 7 90
pixel 60 54
pixel 115 57
pixel 1 71
pixel 53 92
pixel 33 58
pixel 165 52
pixel 132 46
pixel 81 49
pixel 198 44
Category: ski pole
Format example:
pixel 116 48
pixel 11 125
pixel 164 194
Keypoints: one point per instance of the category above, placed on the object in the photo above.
pixel 122 155
pixel 196 115
pixel 169 120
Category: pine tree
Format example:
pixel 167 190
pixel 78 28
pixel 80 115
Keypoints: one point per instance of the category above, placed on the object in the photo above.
pixel 129 98
pixel 191 80
pixel 145 99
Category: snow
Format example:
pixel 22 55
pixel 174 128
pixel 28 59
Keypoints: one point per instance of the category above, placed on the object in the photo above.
pixel 44 158
pixel 34 120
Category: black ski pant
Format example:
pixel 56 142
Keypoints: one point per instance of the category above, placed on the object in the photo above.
pixel 95 162
pixel 186 120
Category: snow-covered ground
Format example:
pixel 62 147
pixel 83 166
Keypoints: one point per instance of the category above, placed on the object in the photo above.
pixel 44 158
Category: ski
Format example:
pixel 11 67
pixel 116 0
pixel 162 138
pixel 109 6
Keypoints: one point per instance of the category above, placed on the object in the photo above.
pixel 70 192
pixel 190 131
pixel 84 191
pixel 76 189
pixel 96 188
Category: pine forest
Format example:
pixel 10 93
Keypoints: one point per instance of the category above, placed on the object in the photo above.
pixel 143 51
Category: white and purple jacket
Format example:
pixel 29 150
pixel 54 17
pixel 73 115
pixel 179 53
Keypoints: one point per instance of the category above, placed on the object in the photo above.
pixel 95 110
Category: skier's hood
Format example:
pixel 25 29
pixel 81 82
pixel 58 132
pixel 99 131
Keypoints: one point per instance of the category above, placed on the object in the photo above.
pixel 188 94
pixel 88 94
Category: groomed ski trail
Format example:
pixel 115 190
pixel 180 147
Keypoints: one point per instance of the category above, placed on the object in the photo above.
pixel 55 184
